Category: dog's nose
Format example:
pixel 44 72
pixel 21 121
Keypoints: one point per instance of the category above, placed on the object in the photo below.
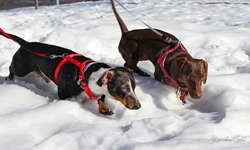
pixel 137 105
pixel 197 95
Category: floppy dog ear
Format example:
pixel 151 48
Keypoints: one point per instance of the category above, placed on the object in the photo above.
pixel 176 66
pixel 206 70
pixel 106 77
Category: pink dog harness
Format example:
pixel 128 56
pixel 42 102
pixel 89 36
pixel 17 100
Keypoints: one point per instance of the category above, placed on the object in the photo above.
pixel 161 59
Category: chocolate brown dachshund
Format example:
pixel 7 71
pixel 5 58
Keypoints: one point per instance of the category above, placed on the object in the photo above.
pixel 173 64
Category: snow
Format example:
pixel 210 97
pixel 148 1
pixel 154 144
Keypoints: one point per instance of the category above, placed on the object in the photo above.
pixel 32 116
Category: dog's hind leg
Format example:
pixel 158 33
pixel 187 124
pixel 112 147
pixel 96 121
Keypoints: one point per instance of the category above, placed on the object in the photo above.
pixel 41 76
pixel 131 55
pixel 136 69
pixel 18 68
pixel 10 76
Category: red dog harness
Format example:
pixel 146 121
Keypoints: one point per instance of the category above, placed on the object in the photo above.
pixel 161 60
pixel 83 83
pixel 81 66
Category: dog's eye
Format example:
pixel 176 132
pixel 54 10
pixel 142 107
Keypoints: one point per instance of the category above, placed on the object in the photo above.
pixel 191 76
pixel 125 89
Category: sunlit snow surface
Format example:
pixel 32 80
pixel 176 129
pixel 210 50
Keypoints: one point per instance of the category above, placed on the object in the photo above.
pixel 32 116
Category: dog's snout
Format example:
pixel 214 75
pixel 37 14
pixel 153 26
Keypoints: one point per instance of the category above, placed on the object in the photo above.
pixel 197 95
pixel 137 105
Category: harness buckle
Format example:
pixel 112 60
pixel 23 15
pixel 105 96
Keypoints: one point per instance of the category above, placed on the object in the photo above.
pixel 81 83
pixel 84 83
pixel 168 40
pixel 53 56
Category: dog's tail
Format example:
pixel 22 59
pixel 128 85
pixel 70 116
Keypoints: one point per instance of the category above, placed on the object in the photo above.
pixel 123 27
pixel 13 37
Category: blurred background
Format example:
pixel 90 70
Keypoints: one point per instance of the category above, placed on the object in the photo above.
pixel 10 4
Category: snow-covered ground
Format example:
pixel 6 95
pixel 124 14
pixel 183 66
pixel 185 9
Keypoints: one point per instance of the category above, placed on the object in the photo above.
pixel 32 116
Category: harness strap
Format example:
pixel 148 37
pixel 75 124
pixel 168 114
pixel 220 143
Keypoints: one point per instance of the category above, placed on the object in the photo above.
pixel 81 67
pixel 161 60
pixel 60 65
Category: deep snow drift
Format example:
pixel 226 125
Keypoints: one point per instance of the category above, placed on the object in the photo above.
pixel 33 117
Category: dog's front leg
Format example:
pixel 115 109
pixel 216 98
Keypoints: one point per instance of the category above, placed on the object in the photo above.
pixel 62 93
pixel 184 93
pixel 102 108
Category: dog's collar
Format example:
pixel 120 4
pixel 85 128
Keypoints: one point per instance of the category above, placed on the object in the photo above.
pixel 79 83
pixel 88 65
pixel 161 60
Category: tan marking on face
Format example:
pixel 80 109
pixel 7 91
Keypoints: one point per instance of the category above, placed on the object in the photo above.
pixel 128 102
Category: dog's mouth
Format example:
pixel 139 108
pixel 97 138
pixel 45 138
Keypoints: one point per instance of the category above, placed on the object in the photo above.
pixel 181 84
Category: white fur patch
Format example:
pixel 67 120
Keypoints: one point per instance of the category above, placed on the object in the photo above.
pixel 92 83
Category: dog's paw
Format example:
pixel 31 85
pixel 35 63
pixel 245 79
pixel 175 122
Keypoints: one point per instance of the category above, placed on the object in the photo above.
pixel 144 74
pixel 109 112
pixel 9 79
pixel 140 72
pixel 183 101
pixel 46 80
